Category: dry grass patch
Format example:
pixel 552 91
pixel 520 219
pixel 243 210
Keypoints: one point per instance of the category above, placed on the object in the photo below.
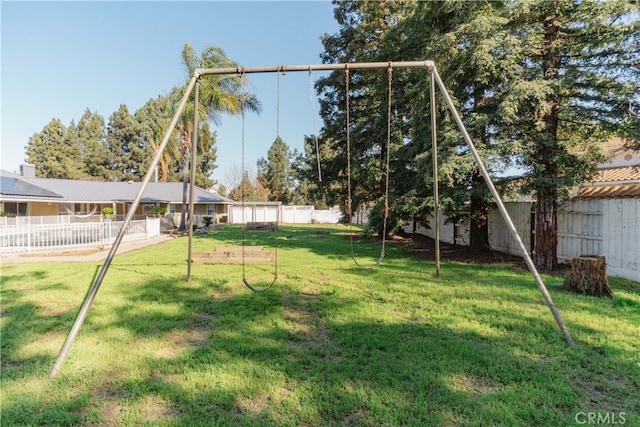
pixel 473 385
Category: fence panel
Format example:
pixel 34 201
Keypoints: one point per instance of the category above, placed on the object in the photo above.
pixel 580 229
pixel 500 237
pixel 297 214
pixel 621 242
pixel 327 216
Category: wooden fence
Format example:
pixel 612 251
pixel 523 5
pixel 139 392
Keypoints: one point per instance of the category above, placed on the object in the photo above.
pixel 603 227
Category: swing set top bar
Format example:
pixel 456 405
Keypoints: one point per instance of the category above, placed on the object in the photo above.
pixel 316 67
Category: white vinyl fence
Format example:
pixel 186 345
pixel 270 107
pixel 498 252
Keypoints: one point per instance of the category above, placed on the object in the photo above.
pixel 286 214
pixel 34 237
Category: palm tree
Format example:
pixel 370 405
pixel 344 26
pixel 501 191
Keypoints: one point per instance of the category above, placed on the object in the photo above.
pixel 218 94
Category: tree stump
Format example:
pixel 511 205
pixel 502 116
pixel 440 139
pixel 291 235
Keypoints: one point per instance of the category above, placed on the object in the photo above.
pixel 588 276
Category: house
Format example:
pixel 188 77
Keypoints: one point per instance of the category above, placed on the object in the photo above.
pixel 26 195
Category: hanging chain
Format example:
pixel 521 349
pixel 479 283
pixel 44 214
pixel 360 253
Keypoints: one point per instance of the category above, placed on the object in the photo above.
pixel 242 199
pixel 315 124
pixel 387 169
pixel 242 183
pixel 386 190
pixel 348 120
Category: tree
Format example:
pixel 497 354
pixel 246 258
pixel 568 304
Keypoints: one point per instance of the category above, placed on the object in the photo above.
pixel 249 190
pixel 49 151
pixel 275 173
pixel 577 73
pixel 363 26
pixel 127 157
pixel 218 94
pixel 471 46
pixel 154 118
pixel 91 140
pixel 539 83
pixel 308 186
pixel 206 157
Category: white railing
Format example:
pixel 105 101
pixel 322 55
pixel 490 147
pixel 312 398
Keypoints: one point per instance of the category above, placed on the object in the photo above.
pixel 32 237
pixel 35 220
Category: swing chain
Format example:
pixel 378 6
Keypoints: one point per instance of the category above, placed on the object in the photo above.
pixel 315 124
pixel 242 202
pixel 387 167
pixel 348 119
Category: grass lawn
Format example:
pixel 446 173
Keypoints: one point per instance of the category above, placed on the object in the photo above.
pixel 329 344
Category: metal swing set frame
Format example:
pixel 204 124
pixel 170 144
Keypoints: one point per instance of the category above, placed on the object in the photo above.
pixel 193 86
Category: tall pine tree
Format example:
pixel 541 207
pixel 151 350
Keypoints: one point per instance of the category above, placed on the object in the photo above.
pixel 577 72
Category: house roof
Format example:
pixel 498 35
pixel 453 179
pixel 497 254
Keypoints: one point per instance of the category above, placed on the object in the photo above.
pixel 625 173
pixel 13 186
pixel 608 191
pixel 77 191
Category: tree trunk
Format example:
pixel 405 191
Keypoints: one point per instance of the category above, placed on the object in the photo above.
pixel 479 206
pixel 479 222
pixel 546 245
pixel 547 191
pixel 588 276
pixel 186 138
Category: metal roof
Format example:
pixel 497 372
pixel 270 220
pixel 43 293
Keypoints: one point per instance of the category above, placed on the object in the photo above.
pixel 77 191
pixel 10 186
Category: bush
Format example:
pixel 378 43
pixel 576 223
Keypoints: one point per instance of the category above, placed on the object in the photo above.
pixel 107 212
pixel 159 210
pixel 207 220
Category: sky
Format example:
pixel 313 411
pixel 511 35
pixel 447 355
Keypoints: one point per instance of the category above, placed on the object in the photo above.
pixel 60 58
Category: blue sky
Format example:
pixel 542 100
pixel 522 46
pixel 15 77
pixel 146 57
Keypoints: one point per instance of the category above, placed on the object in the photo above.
pixel 60 58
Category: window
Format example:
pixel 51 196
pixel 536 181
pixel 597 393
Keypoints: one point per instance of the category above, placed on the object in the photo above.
pixel 15 208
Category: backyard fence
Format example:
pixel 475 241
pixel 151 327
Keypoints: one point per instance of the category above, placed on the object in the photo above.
pixel 284 214
pixel 31 236
pixel 601 227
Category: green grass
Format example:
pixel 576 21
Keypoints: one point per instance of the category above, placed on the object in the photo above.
pixel 329 344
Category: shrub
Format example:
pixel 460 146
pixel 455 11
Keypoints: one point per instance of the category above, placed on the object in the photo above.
pixel 107 212
pixel 159 210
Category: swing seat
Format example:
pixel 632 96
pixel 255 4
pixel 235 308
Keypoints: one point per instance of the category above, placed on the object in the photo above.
pixel 262 226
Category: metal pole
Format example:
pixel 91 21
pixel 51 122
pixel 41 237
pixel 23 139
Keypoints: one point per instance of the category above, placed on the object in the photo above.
pixel 194 157
pixel 103 271
pixel 503 211
pixel 319 67
pixel 434 151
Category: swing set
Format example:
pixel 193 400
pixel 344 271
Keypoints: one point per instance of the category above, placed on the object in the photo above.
pixel 193 86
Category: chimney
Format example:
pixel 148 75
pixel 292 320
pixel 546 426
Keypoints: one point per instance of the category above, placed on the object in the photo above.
pixel 27 170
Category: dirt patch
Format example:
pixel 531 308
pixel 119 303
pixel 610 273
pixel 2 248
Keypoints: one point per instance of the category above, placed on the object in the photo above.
pixel 254 406
pixel 155 408
pixel 195 336
pixel 423 247
pixel 306 327
pixel 473 386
